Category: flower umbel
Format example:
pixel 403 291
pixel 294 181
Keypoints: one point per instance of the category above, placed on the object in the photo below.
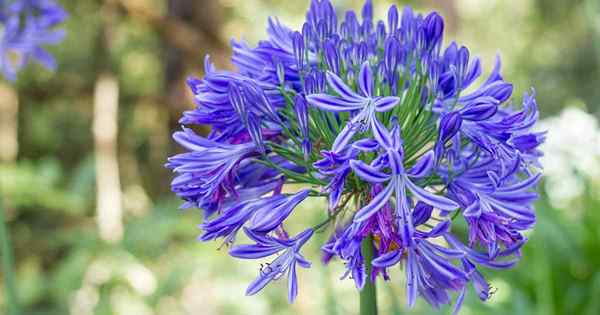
pixel 372 115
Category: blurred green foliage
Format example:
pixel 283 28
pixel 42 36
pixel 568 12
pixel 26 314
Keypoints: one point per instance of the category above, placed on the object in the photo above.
pixel 63 267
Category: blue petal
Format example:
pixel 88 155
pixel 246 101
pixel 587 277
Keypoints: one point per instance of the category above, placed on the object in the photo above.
pixel 259 283
pixel 481 110
pixel 253 251
pixel 292 283
pixel 365 80
pixel 376 203
pixel 459 301
pixel 395 161
pixel 523 185
pixel 393 19
pixel 381 134
pixel 271 215
pixel 423 166
pixel 385 104
pixel 359 276
pixel 421 213
pixel 342 139
pixel 411 278
pixel 332 103
pixel 338 85
pixel 366 145
pixel 436 201
pixel 388 259
pixel 367 172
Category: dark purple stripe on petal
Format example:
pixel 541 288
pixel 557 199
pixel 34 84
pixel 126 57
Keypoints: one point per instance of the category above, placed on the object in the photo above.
pixel 338 85
pixel 342 139
pixel 423 166
pixel 388 259
pixel 332 103
pixel 365 80
pixel 436 201
pixel 376 203
pixel 385 104
pixel 368 173
pixel 382 135
pixel 253 251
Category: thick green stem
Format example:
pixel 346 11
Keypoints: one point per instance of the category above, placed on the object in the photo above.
pixel 7 266
pixel 368 295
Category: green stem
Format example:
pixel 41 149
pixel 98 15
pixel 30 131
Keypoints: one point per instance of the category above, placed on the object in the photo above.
pixel 368 295
pixel 7 266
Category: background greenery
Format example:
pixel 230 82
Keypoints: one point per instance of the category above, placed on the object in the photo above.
pixel 158 267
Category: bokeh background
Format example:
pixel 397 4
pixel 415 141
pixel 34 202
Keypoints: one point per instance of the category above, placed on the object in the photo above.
pixel 96 230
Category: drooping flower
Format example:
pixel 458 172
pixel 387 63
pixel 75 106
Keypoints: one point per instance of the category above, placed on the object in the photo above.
pixel 285 263
pixel 383 121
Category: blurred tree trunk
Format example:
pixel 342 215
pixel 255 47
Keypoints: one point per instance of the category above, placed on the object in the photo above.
pixel 108 187
pixel 198 24
pixel 9 109
pixel 109 211
pixel 189 29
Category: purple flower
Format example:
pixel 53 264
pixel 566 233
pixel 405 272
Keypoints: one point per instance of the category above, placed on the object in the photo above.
pixel 261 215
pixel 207 172
pixel 496 203
pixel 302 116
pixel 449 126
pixel 28 26
pixel 285 263
pixel 434 29
pixel 399 180
pixel 365 105
pixel 384 122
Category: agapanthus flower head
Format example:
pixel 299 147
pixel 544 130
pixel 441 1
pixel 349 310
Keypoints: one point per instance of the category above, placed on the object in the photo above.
pixel 28 26
pixel 374 116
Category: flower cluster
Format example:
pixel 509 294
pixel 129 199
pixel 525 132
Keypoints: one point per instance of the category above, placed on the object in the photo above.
pixel 27 26
pixel 388 125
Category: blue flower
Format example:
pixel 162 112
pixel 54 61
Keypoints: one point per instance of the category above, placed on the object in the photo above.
pixel 207 171
pixel 365 105
pixel 386 123
pixel 285 263
pixel 29 25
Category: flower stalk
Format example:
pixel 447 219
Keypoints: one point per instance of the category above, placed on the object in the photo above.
pixel 368 295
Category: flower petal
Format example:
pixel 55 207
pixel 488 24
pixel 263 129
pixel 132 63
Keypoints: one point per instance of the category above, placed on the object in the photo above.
pixel 342 139
pixel 340 87
pixel 376 203
pixel 423 166
pixel 253 251
pixel 385 104
pixel 366 145
pixel 381 134
pixel 271 215
pixel 367 172
pixel 365 80
pixel 259 283
pixel 292 284
pixel 332 103
pixel 411 278
pixel 421 213
pixel 439 202
pixel 388 259
pixel 459 301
